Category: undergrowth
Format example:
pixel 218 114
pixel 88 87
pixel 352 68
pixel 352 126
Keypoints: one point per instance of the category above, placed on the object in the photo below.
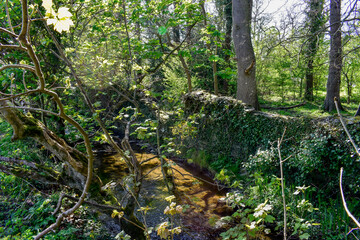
pixel 26 207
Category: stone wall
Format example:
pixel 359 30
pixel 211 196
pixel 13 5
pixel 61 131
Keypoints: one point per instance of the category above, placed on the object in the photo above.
pixel 230 130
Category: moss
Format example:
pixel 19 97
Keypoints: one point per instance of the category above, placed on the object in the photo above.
pixel 31 125
pixel 229 131
pixel 199 157
pixel 79 156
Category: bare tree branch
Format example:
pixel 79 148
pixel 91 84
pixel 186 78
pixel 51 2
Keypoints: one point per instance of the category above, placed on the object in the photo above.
pixel 8 32
pixel 345 128
pixel 344 202
pixel 341 169
pixel 16 47
pixel 22 66
pixel 282 181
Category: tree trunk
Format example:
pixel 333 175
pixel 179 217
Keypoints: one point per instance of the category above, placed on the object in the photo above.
pixel 246 83
pixel 334 78
pixel 176 35
pixel 216 82
pixel 228 30
pixel 187 71
pixel 358 111
pixel 228 37
pixel 315 23
pixel 27 126
pixel 309 82
pixel 31 171
pixel 208 46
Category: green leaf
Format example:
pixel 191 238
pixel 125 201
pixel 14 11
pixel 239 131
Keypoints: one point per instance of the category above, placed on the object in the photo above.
pixel 269 219
pixel 162 30
pixel 214 58
pixel 97 104
pixel 304 236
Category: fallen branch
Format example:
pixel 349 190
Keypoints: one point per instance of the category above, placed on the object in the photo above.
pixel 284 108
pixel 18 161
pixel 102 206
pixel 345 128
pixel 30 175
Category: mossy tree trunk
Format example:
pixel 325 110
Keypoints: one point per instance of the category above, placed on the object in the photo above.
pixel 25 125
pixel 335 57
pixel 315 22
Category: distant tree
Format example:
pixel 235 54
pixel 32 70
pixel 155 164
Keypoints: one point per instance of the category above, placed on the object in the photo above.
pixel 246 83
pixel 227 8
pixel 228 29
pixel 315 22
pixel 212 33
pixel 335 57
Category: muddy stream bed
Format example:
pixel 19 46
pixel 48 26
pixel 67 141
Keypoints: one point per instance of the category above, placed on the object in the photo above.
pixel 202 199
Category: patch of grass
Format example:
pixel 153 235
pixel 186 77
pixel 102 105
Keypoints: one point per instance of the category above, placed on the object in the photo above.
pixel 310 109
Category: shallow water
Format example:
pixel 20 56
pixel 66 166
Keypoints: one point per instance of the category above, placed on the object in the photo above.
pixel 201 198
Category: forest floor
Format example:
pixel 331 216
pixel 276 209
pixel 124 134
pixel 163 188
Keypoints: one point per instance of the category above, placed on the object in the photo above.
pixel 309 109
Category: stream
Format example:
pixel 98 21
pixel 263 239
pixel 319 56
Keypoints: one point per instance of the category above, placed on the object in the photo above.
pixel 201 199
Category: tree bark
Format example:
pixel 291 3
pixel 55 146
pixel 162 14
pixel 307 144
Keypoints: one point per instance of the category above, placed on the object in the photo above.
pixel 32 171
pixel 27 126
pixel 228 30
pixel 176 35
pixel 315 23
pixel 208 46
pixel 335 56
pixel 228 38
pixel 187 71
pixel 246 83
pixel 358 111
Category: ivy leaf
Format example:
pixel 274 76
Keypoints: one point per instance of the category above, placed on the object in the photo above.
pixel 162 30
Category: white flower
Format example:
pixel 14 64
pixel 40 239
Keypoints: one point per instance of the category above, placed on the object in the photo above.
pixel 252 225
pixel 258 213
pixel 170 198
pixel 63 25
pixel 300 189
pixel 167 210
pixel 267 207
pixel 261 209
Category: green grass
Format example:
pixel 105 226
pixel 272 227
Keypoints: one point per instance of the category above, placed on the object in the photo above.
pixel 310 109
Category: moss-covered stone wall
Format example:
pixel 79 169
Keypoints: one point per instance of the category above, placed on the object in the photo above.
pixel 228 131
